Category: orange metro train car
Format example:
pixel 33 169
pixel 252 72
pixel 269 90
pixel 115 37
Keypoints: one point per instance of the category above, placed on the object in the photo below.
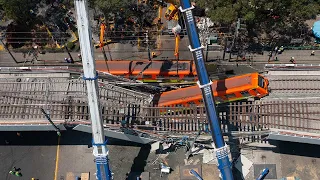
pixel 231 89
pixel 149 70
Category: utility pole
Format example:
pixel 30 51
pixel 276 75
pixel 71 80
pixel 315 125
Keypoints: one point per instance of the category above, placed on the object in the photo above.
pixel 100 150
pixel 225 47
pixel 235 36
pixel 147 42
pixel 69 53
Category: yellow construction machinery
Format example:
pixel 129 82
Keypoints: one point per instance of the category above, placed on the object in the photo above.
pixel 172 11
pixel 172 15
pixel 176 30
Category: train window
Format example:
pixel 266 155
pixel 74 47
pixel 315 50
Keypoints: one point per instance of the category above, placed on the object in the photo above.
pixel 174 76
pixel 261 81
pixel 181 66
pixel 189 78
pixel 200 100
pixel 147 76
pixel 230 96
pixel 160 77
pixel 191 103
pixel 218 99
pixel 245 93
pixel 256 91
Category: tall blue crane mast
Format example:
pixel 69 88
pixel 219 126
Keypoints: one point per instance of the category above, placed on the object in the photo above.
pixel 100 150
pixel 204 84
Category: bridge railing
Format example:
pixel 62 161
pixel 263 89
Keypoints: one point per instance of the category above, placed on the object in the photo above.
pixel 237 116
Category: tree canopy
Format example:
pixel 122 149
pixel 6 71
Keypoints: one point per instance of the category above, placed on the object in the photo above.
pixel 19 10
pixel 263 15
pixel 110 6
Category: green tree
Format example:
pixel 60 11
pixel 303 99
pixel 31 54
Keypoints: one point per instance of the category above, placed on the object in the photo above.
pixel 284 17
pixel 110 6
pixel 19 10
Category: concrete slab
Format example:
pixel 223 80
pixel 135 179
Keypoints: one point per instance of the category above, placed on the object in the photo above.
pixel 155 146
pixel 70 176
pixel 85 176
pixel 244 165
pixel 185 171
pixel 209 157
pixel 116 135
pixel 258 168
pixel 262 153
pixel 145 176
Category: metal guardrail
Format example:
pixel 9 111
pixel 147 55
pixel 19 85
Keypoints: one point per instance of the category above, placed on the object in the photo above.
pixel 291 66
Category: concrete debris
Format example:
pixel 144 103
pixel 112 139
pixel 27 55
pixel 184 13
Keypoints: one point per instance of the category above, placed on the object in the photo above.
pixel 243 164
pixel 164 169
pixel 155 146
pixel 163 156
pixel 197 150
pixel 209 157
pixel 166 146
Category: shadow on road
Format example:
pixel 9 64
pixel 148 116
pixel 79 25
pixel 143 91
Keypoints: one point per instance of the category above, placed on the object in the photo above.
pixel 298 149
pixel 139 163
pixel 68 137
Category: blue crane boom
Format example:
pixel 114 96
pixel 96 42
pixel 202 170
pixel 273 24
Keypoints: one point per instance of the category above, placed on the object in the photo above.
pixel 204 83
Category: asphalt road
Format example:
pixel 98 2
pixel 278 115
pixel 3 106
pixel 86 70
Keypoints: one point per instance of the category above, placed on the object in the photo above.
pixel 36 161
pixel 289 159
pixel 38 155
pixel 35 153
pixel 128 52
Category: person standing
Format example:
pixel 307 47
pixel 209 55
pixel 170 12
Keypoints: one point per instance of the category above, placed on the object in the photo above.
pixel 15 172
pixel 312 53
pixel 79 57
pixel 292 60
pixel 276 50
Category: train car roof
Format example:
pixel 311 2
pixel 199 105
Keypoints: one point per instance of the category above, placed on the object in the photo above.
pixel 123 67
pixel 218 85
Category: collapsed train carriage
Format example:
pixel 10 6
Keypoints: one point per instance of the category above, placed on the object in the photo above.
pixel 150 71
pixel 231 89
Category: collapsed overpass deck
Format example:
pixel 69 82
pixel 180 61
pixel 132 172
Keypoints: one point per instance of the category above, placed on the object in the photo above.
pixel 23 96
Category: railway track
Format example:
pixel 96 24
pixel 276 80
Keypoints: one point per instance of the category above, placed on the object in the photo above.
pixel 66 101
pixel 294 85
pixel 238 116
pixel 60 89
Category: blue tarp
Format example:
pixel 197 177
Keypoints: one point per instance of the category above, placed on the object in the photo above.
pixel 316 29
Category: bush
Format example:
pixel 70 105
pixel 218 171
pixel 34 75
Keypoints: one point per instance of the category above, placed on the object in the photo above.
pixel 70 45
